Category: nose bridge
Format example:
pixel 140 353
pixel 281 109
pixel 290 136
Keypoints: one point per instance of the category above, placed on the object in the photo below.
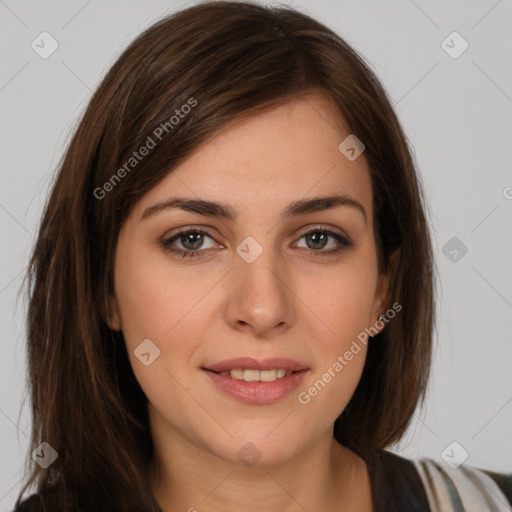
pixel 259 294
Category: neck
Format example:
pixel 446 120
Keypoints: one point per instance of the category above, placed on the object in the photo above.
pixel 324 476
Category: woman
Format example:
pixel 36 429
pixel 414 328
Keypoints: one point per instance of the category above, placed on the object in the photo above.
pixel 231 301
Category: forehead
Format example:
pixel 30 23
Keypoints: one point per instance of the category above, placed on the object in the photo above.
pixel 267 160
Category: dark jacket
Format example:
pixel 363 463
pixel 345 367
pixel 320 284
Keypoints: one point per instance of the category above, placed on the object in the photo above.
pixel 396 486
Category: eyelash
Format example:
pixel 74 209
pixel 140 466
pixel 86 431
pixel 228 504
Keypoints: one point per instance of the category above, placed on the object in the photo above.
pixel 167 243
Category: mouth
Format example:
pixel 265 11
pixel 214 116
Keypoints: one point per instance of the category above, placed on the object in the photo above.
pixel 257 382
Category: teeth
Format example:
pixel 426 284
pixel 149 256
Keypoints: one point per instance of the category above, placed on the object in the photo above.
pixel 266 375
pixel 250 375
pixel 237 374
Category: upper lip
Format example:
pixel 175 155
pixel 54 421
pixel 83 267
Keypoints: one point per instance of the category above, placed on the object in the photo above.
pixel 255 364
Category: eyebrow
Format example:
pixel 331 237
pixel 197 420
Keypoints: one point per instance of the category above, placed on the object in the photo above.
pixel 214 209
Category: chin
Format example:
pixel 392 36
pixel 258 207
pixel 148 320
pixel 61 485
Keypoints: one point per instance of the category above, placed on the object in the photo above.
pixel 259 450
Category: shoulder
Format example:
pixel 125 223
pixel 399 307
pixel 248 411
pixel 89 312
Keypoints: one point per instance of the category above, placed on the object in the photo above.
pixel 30 504
pixel 425 485
pixel 396 484
pixel 503 481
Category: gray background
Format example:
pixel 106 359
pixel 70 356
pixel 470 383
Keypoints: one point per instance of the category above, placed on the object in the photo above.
pixel 456 112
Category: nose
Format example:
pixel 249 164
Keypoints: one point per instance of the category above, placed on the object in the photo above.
pixel 260 296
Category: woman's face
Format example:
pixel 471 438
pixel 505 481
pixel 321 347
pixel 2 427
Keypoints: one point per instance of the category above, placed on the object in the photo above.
pixel 276 276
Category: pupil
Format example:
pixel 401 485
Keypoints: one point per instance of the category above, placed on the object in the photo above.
pixel 319 237
pixel 190 238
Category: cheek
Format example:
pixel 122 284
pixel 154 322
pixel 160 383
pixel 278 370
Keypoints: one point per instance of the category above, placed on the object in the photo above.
pixel 168 307
pixel 154 300
pixel 342 302
pixel 342 305
pixel 330 389
pixel 341 355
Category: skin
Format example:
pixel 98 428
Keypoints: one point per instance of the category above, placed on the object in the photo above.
pixel 289 302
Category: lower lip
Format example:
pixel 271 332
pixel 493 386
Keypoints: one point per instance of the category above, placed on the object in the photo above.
pixel 257 392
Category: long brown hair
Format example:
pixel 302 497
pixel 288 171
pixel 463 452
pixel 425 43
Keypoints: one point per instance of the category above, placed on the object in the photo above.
pixel 230 58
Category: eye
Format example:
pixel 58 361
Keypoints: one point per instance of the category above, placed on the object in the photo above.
pixel 192 242
pixel 318 239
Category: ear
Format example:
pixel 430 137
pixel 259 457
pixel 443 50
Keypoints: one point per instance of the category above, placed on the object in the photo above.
pixel 111 314
pixel 382 297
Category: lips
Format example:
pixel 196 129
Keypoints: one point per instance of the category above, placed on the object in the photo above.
pixel 257 381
